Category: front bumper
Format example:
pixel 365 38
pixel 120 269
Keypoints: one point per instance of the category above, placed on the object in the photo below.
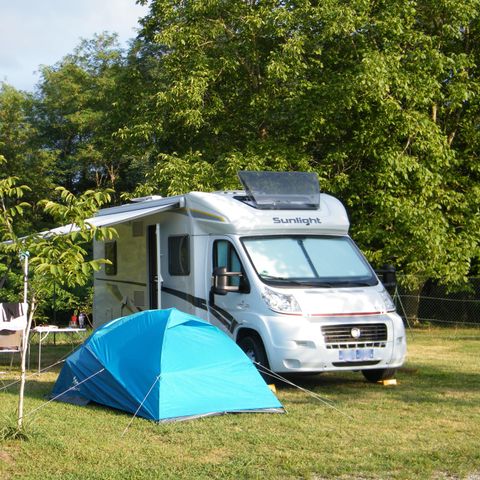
pixel 298 344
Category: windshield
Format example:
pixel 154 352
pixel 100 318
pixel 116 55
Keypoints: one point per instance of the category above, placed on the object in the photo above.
pixel 309 261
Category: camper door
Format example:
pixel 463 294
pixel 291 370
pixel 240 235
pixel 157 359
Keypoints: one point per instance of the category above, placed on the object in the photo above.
pixel 154 267
pixel 229 284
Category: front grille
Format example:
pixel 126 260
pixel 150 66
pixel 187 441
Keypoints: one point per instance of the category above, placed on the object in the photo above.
pixel 340 336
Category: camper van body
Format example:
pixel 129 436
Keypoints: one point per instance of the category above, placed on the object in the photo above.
pixel 167 252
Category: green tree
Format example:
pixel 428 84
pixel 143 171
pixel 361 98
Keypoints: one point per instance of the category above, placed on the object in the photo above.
pixel 79 109
pixel 380 98
pixel 23 156
pixel 53 258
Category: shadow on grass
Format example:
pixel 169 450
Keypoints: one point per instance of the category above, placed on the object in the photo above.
pixel 34 388
pixel 51 359
pixel 417 384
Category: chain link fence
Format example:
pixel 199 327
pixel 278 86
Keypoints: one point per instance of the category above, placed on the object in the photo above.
pixel 433 304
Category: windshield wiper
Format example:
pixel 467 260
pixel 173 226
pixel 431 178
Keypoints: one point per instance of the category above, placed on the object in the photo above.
pixel 303 283
pixel 281 279
pixel 318 284
pixel 353 284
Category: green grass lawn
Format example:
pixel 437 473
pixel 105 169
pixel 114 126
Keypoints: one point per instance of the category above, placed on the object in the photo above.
pixel 427 426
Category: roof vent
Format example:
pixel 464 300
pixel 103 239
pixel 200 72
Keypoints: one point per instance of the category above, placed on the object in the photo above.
pixel 282 190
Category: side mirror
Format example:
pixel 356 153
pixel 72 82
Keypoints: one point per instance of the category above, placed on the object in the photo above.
pixel 388 277
pixel 220 281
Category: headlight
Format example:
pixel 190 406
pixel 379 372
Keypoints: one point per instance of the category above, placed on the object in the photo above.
pixel 387 301
pixel 280 302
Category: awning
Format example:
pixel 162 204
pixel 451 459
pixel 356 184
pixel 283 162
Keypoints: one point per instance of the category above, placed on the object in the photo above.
pixel 117 215
pixel 115 218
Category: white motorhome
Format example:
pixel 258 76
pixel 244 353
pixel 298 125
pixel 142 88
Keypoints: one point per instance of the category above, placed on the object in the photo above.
pixel 271 265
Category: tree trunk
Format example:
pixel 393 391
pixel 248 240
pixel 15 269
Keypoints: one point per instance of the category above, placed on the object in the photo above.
pixel 411 303
pixel 24 354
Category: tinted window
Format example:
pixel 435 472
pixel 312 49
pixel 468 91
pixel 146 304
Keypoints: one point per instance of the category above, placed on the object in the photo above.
pixel 179 255
pixel 111 255
pixel 224 255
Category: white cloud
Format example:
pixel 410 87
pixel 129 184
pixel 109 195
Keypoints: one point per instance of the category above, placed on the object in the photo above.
pixel 42 32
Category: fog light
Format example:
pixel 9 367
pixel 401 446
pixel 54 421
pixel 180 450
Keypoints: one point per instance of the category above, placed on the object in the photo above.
pixel 292 363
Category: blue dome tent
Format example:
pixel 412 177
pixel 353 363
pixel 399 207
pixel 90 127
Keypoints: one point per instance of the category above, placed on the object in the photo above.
pixel 163 365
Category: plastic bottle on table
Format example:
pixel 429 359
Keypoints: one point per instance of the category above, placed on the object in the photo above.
pixel 73 321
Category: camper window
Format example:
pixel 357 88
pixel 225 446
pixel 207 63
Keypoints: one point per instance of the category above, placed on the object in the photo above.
pixel 224 255
pixel 111 256
pixel 179 255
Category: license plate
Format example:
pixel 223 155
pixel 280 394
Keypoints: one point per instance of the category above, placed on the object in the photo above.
pixel 355 355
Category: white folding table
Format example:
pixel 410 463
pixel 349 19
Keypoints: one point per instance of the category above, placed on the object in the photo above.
pixel 44 331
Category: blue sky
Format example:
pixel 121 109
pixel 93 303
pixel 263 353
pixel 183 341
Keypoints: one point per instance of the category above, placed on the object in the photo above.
pixel 42 32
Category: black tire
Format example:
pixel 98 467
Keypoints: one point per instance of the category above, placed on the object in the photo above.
pixel 255 351
pixel 378 374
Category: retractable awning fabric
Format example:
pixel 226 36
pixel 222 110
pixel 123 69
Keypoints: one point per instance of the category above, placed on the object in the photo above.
pixel 117 215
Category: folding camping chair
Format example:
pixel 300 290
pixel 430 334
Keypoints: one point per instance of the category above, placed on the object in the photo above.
pixel 13 322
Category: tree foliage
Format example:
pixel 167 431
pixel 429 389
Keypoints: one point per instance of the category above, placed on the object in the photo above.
pixel 23 157
pixel 55 260
pixel 379 98
pixel 80 105
pixel 48 259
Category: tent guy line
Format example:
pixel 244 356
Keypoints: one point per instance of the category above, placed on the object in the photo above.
pixel 326 402
pixel 36 373
pixel 141 404
pixel 214 378
pixel 31 412
pixel 61 360
pixel 261 367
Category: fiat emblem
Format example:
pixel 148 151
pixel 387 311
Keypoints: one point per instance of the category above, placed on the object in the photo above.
pixel 355 332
